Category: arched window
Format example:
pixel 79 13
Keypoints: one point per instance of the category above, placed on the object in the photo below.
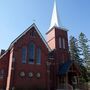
pixel 1 73
pixel 38 58
pixel 60 42
pixel 31 53
pixel 63 43
pixel 24 52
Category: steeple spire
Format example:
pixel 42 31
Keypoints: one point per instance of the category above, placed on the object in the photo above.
pixel 55 18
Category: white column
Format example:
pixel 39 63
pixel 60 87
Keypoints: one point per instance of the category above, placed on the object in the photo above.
pixel 9 70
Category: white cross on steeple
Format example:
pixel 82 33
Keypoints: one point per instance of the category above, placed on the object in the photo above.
pixel 55 18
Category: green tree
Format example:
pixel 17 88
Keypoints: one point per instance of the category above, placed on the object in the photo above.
pixel 85 55
pixel 84 73
pixel 84 48
pixel 75 55
pixel 74 49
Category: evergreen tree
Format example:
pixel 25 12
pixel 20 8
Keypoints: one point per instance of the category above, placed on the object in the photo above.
pixel 85 55
pixel 84 72
pixel 79 50
pixel 74 50
pixel 84 47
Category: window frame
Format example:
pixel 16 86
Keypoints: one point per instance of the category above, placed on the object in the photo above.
pixel 60 42
pixel 63 42
pixel 1 73
pixel 24 55
pixel 30 53
pixel 38 56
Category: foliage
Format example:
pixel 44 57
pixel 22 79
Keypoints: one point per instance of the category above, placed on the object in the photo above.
pixel 84 73
pixel 80 52
pixel 85 54
pixel 84 47
pixel 74 49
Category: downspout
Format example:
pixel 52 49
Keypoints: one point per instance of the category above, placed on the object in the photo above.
pixel 9 70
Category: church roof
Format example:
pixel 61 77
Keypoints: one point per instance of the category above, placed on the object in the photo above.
pixel 33 25
pixel 63 69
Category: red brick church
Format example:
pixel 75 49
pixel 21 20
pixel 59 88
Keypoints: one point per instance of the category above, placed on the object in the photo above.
pixel 33 63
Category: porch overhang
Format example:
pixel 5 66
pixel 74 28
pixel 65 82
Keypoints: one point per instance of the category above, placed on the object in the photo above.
pixel 64 68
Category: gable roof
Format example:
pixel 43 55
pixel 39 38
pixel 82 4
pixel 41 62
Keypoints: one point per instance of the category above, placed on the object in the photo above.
pixel 33 25
pixel 64 68
pixel 29 28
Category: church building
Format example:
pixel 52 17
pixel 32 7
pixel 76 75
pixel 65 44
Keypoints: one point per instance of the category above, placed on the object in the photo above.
pixel 34 63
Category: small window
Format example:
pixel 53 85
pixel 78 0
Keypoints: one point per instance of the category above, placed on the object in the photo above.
pixel 38 59
pixel 63 43
pixel 30 74
pixel 22 74
pixel 38 75
pixel 32 34
pixel 31 53
pixel 1 73
pixel 60 42
pixel 24 53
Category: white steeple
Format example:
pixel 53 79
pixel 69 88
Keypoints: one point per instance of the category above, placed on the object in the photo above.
pixel 55 18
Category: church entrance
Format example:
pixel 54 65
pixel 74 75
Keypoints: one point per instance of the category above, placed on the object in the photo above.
pixel 68 76
pixel 73 80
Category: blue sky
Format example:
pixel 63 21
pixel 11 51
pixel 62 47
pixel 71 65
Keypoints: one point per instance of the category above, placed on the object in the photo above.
pixel 18 15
